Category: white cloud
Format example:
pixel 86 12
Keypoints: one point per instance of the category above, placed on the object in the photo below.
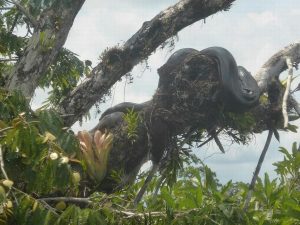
pixel 295 12
pixel 263 18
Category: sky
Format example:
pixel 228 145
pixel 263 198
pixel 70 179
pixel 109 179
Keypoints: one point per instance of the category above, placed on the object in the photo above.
pixel 251 30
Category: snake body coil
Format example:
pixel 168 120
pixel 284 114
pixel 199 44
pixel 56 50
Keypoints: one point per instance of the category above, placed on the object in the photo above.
pixel 240 89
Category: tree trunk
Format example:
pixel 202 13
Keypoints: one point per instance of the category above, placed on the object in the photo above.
pixel 49 37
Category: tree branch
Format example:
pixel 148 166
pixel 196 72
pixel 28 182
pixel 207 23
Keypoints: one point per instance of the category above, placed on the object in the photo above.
pixel 143 189
pixel 6 8
pixel 40 53
pixel 5 129
pixel 9 60
pixel 257 169
pixel 67 199
pixel 277 64
pixel 26 13
pixel 295 105
pixel 2 164
pixel 287 92
pixel 118 61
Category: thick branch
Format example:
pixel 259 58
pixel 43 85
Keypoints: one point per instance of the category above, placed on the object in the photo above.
pixel 43 47
pixel 117 62
pixel 277 64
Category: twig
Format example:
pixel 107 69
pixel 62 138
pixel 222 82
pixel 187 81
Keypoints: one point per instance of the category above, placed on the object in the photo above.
pixel 67 199
pixel 158 185
pixel 46 206
pixel 129 214
pixel 26 13
pixel 5 129
pixel 6 8
pixel 14 23
pixel 9 60
pixel 295 105
pixel 143 189
pixel 257 169
pixel 218 142
pixel 2 164
pixel 210 138
pixel 66 115
pixel 287 91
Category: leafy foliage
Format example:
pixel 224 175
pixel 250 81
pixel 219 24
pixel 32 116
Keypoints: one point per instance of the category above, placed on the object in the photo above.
pixel 27 142
pixel 63 75
pixel 41 159
pixel 34 145
pixel 132 119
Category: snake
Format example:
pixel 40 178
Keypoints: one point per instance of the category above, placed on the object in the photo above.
pixel 241 91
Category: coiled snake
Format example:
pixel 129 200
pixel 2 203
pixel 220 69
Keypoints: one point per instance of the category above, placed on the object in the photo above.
pixel 240 89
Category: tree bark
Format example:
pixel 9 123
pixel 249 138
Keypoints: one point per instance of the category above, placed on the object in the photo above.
pixel 277 64
pixel 50 35
pixel 118 61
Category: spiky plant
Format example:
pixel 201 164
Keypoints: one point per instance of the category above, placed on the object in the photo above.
pixel 95 151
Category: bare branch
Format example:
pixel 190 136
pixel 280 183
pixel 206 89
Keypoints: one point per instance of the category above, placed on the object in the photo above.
pixel 5 129
pixel 257 169
pixel 6 8
pixel 287 92
pixel 295 105
pixel 9 60
pixel 277 64
pixel 219 144
pixel 129 214
pixel 118 61
pixel 143 189
pixel 2 164
pixel 210 138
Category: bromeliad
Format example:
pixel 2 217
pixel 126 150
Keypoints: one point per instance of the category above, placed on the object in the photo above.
pixel 95 151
